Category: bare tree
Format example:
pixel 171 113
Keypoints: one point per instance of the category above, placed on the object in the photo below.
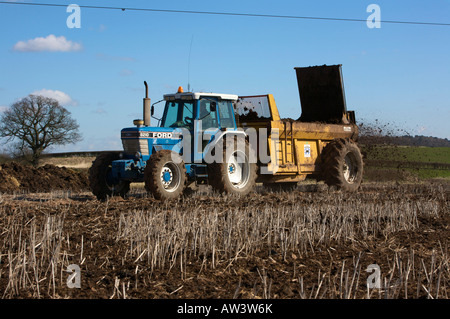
pixel 37 122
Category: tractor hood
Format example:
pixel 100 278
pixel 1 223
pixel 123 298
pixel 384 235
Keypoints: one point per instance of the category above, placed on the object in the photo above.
pixel 146 139
pixel 165 133
pixel 322 96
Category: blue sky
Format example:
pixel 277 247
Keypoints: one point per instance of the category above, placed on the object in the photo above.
pixel 397 74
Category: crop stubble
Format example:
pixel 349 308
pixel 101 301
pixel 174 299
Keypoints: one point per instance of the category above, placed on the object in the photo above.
pixel 312 242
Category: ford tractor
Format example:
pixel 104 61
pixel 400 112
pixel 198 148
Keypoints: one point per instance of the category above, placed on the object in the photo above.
pixel 169 157
pixel 232 142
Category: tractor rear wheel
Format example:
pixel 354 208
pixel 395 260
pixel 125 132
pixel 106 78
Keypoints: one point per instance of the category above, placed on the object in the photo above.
pixel 165 177
pixel 342 165
pixel 235 173
pixel 101 180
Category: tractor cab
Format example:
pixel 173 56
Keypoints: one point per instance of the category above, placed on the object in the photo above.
pixel 213 111
pixel 204 115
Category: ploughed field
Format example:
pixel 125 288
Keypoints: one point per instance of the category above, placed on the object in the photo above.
pixel 309 242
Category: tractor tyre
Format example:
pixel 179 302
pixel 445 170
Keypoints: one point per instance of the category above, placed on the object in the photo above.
pixel 342 165
pixel 235 174
pixel 165 177
pixel 100 178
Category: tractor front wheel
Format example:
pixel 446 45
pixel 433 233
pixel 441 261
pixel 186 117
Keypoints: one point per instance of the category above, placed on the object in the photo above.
pixel 165 175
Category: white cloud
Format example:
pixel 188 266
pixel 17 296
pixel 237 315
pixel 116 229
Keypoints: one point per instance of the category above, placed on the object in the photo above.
pixel 63 98
pixel 3 108
pixel 50 43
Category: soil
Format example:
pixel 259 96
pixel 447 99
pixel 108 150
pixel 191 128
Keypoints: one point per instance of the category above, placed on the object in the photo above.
pixel 251 116
pixel 90 238
pixel 16 177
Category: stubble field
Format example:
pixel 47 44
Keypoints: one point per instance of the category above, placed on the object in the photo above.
pixel 311 242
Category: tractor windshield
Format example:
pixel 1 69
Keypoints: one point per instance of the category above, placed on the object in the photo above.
pixel 178 114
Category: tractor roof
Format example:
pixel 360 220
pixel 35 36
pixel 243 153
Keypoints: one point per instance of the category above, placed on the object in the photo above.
pixel 198 95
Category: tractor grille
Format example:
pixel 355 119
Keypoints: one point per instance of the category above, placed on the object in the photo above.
pixel 133 145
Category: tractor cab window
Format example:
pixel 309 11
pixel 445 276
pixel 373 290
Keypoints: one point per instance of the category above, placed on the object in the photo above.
pixel 207 114
pixel 178 114
pixel 226 114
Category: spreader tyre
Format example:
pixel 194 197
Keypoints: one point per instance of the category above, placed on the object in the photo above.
pixel 342 165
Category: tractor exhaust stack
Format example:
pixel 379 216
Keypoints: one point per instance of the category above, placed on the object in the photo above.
pixel 147 106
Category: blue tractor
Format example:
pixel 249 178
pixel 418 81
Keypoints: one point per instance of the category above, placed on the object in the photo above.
pixel 208 138
pixel 171 156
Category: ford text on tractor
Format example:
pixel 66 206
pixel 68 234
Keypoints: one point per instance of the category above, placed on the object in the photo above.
pixel 233 142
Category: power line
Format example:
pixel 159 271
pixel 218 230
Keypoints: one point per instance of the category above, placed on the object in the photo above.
pixel 226 13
